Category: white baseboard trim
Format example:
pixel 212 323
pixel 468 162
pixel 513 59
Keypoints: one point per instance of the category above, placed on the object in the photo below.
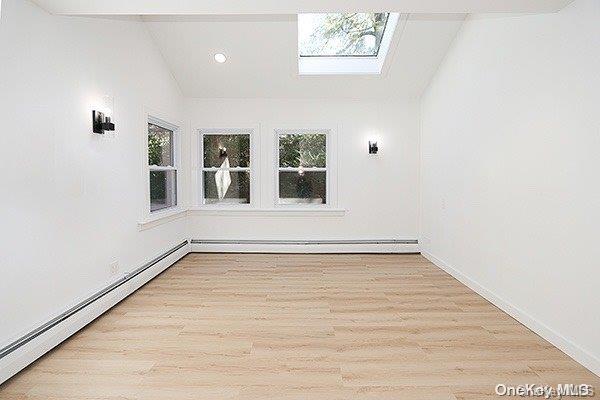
pixel 30 351
pixel 341 247
pixel 578 354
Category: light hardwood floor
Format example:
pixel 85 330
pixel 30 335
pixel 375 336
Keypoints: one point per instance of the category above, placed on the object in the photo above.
pixel 331 327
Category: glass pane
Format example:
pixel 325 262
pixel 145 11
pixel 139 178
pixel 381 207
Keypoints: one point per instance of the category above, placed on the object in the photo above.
pixel 303 150
pixel 334 35
pixel 235 149
pixel 160 146
pixel 305 187
pixel 163 189
pixel 223 186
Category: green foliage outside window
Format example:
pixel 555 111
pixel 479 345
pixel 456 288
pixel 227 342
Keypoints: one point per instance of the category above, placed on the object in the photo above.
pixel 237 148
pixel 160 153
pixel 305 150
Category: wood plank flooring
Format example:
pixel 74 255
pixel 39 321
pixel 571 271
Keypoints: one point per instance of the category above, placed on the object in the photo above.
pixel 291 327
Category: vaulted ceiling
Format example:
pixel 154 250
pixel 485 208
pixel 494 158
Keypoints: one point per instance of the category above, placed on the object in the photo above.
pixel 219 7
pixel 260 39
pixel 262 57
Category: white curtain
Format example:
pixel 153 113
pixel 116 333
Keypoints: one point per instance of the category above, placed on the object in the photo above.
pixel 223 179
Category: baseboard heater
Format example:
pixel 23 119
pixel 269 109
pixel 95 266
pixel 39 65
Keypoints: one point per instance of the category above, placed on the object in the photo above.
pixel 73 310
pixel 305 242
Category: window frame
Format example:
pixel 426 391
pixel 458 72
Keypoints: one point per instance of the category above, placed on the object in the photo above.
pixel 330 201
pixel 252 168
pixel 176 146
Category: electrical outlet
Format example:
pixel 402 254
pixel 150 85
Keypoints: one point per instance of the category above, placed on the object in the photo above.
pixel 114 268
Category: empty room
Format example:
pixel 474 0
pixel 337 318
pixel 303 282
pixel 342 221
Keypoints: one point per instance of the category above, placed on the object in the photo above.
pixel 299 200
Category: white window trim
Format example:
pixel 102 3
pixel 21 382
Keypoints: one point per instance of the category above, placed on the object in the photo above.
pixel 348 65
pixel 330 176
pixel 254 162
pixel 149 218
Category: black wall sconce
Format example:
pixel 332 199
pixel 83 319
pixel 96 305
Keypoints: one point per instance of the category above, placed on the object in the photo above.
pixel 373 149
pixel 101 123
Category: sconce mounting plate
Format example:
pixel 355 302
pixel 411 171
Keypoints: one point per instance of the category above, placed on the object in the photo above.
pixel 373 149
pixel 97 120
pixel 100 123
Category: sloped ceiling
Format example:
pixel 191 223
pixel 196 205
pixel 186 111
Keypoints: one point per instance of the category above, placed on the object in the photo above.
pixel 262 57
pixel 181 7
pixel 260 39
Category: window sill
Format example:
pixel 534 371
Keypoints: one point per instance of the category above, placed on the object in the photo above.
pixel 160 218
pixel 267 212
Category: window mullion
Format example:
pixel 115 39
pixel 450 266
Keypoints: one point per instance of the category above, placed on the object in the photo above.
pixel 306 169
pixel 232 169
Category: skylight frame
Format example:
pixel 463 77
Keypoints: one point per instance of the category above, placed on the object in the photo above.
pixel 352 64
pixel 376 54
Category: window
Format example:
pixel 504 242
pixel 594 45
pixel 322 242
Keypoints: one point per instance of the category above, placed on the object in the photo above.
pixel 302 167
pixel 341 35
pixel 336 43
pixel 162 165
pixel 226 167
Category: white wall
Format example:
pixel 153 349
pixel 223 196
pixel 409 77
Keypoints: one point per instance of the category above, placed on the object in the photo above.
pixel 510 169
pixel 71 199
pixel 510 129
pixel 380 193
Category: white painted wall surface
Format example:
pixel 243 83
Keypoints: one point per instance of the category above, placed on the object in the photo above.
pixel 71 199
pixel 380 193
pixel 510 168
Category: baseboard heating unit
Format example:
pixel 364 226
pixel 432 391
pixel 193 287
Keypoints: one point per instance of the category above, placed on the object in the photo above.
pixel 24 350
pixel 307 246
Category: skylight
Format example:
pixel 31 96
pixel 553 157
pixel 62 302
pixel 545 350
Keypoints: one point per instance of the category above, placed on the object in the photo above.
pixel 344 44
pixel 341 35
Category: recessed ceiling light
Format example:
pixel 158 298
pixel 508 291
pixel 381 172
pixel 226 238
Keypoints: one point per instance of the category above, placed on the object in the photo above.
pixel 220 58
